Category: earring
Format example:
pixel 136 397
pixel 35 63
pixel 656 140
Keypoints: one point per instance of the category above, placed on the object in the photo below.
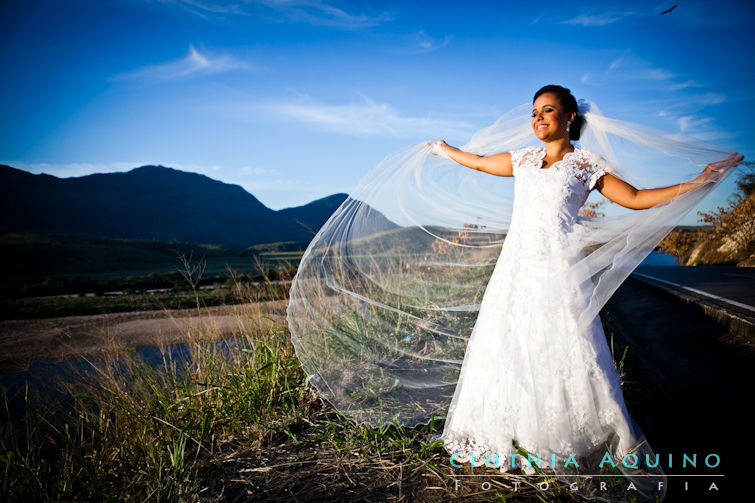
pixel 568 123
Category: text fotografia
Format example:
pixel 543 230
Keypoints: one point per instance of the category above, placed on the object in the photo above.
pixel 710 486
pixel 631 461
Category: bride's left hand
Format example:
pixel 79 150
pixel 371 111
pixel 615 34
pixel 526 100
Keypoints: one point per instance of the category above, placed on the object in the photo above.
pixel 713 169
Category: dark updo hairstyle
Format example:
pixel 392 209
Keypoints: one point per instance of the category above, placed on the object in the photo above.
pixel 570 105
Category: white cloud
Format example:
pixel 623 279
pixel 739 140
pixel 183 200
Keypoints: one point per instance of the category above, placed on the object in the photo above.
pixel 276 184
pixel 366 118
pixel 631 67
pixel 685 85
pixel 314 12
pixel 657 73
pixel 585 78
pixel 713 99
pixel 428 44
pixel 688 104
pixel 692 123
pixel 616 63
pixel 74 169
pixel 687 112
pixel 694 13
pixel 195 62
pixel 207 8
pixel 601 19
pixel 320 13
pixel 421 43
pixel 257 171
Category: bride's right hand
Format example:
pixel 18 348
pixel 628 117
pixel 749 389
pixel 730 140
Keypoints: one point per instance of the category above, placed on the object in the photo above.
pixel 436 148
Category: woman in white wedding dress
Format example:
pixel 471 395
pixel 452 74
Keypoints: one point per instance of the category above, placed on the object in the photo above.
pixel 435 289
pixel 532 376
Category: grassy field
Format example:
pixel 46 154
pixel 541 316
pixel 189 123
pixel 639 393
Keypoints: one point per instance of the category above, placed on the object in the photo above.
pixel 134 300
pixel 226 426
pixel 55 265
pixel 218 425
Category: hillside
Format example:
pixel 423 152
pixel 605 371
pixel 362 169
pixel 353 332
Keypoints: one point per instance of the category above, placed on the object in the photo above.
pixel 152 202
pixel 729 237
pixel 313 215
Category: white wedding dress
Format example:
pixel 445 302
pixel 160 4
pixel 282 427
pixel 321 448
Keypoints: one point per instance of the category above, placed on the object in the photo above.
pixel 529 375
pixel 397 318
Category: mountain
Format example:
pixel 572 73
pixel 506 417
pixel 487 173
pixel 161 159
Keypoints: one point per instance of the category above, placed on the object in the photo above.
pixel 152 202
pixel 313 215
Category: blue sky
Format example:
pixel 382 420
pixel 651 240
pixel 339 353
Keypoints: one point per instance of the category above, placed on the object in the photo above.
pixel 296 100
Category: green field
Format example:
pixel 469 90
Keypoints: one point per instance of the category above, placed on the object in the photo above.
pixel 38 264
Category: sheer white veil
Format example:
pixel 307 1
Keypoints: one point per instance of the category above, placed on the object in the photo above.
pixel 387 293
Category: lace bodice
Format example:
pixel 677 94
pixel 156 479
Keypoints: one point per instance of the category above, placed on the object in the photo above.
pixel 581 164
pixel 547 200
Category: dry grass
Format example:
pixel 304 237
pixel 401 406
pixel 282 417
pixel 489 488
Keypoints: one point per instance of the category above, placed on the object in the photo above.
pixel 222 424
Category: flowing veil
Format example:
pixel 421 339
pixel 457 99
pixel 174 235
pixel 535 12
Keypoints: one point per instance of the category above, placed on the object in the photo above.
pixel 387 293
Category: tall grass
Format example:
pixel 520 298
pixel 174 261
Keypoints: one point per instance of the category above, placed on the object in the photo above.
pixel 128 430
pixel 224 423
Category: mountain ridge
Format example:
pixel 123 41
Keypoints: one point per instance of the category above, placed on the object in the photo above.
pixel 153 202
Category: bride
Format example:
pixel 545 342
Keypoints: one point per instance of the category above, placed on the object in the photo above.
pixel 427 292
pixel 530 378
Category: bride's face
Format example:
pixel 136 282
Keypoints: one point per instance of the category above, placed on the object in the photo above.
pixel 549 118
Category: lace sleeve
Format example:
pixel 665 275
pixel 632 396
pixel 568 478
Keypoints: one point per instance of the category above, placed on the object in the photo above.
pixel 517 156
pixel 598 168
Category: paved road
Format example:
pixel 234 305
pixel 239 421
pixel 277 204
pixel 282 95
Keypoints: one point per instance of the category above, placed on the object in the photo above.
pixel 726 294
pixel 694 377
pixel 736 284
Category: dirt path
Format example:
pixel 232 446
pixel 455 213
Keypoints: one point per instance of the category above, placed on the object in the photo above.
pixel 24 341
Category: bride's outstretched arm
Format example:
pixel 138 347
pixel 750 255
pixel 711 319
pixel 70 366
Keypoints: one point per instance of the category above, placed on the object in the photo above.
pixel 620 192
pixel 496 164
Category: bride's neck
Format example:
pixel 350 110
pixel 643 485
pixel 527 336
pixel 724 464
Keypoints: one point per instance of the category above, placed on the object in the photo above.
pixel 556 149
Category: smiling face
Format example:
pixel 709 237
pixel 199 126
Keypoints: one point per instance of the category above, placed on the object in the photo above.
pixel 549 118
